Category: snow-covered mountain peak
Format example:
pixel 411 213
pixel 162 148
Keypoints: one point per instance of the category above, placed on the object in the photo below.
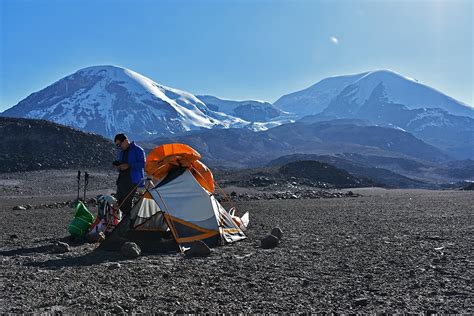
pixel 397 88
pixel 383 74
pixel 136 82
pixel 110 99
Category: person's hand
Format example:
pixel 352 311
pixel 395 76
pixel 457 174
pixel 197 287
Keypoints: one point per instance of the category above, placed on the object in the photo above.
pixel 123 166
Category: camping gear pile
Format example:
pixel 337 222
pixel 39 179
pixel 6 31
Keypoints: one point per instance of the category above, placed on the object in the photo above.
pixel 178 206
pixel 108 216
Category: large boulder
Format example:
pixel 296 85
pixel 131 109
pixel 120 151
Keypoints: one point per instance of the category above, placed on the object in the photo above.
pixel 269 242
pixel 130 250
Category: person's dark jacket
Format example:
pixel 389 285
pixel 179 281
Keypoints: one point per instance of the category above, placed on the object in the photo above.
pixel 136 162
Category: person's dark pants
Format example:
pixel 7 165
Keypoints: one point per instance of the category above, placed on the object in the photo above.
pixel 125 192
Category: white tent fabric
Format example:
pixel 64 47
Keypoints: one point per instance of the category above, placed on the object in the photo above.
pixel 148 208
pixel 184 198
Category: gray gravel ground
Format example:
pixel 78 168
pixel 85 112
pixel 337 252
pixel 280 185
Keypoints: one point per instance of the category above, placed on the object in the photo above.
pixel 386 251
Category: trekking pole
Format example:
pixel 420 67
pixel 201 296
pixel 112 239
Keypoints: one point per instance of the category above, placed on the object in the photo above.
pixel 78 183
pixel 86 182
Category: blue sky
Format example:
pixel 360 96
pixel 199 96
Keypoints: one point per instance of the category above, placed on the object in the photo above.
pixel 244 49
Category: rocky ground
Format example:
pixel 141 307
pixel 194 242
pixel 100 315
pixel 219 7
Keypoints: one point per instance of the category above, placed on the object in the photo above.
pixel 375 250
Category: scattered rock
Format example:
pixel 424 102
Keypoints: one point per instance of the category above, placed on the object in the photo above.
pixel 360 302
pixel 277 232
pixel 114 265
pixel 198 249
pixel 269 242
pixel 130 250
pixel 61 247
pixel 19 208
pixel 118 309
pixel 260 181
pixel 290 194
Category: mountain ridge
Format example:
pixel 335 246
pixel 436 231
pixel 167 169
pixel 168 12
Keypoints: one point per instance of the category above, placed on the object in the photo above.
pixel 242 148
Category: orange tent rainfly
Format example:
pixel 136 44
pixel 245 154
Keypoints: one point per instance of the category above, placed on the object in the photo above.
pixel 161 160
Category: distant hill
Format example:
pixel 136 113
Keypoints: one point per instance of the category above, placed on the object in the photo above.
pixel 323 172
pixel 362 167
pixel 28 144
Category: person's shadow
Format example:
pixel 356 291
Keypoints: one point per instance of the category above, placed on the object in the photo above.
pixel 90 258
pixel 93 257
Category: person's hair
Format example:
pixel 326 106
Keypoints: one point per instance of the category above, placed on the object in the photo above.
pixel 120 137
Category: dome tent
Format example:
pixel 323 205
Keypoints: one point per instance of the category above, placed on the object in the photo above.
pixel 181 206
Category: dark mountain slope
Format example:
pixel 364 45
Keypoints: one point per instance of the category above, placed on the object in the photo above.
pixel 36 144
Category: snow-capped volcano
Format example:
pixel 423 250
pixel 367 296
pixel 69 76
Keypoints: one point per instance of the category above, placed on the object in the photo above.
pixel 110 99
pixel 357 89
pixel 389 99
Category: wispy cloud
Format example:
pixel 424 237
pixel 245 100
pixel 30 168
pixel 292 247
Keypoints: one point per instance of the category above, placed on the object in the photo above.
pixel 334 40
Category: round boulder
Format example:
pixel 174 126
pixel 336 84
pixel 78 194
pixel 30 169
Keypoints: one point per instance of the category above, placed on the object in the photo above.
pixel 277 232
pixel 269 242
pixel 130 250
pixel 61 247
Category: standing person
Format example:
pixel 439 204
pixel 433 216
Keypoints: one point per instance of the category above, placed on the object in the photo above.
pixel 130 164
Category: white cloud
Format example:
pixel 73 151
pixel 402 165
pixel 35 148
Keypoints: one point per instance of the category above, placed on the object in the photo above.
pixel 334 40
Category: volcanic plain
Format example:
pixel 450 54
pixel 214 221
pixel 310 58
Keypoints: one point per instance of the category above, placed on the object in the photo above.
pixel 370 250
